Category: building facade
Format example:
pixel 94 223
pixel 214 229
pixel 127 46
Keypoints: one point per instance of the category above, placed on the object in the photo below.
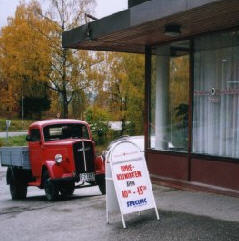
pixel 191 84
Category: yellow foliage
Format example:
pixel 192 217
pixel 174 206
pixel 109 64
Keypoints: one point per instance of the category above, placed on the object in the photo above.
pixel 24 55
pixel 31 56
pixel 121 88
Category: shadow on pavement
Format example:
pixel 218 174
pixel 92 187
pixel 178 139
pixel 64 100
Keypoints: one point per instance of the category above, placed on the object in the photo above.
pixel 43 198
pixel 175 226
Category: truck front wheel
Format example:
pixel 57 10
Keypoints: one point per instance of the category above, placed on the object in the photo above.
pixel 67 189
pixel 51 189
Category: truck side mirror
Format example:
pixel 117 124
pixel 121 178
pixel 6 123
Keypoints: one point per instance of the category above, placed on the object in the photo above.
pixel 28 138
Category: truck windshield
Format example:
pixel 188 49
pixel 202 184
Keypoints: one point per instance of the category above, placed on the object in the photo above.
pixel 65 131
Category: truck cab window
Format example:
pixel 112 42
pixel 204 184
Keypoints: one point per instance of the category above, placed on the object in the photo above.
pixel 65 131
pixel 85 133
pixel 35 135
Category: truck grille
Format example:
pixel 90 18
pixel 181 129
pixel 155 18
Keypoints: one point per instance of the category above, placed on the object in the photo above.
pixel 84 157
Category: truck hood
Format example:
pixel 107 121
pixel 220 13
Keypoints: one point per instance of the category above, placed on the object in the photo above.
pixel 63 147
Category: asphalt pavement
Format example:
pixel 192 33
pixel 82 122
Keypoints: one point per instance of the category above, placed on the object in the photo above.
pixel 185 216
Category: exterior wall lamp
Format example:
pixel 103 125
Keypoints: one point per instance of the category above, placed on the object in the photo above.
pixel 172 30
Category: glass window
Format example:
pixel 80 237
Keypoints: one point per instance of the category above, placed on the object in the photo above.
pixel 85 133
pixel 65 131
pixel 35 135
pixel 169 97
pixel 216 95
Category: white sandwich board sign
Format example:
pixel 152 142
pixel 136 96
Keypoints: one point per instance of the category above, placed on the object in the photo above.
pixel 126 168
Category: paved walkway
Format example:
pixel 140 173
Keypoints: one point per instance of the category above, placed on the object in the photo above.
pixel 211 205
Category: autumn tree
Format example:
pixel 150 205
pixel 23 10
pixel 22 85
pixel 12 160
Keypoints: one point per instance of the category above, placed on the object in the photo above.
pixel 121 90
pixel 8 101
pixel 71 71
pixel 31 52
pixel 24 56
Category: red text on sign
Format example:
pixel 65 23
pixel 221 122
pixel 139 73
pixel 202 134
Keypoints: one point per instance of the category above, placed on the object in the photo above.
pixel 125 193
pixel 127 168
pixel 141 189
pixel 129 175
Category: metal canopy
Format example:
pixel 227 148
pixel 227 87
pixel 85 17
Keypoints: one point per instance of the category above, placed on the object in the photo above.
pixel 131 30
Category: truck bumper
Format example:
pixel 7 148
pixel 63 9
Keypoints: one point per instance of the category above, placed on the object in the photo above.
pixel 73 179
pixel 64 180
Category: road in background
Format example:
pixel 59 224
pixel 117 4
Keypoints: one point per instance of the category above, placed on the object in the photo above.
pixel 13 133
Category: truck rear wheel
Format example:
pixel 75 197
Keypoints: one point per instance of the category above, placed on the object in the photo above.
pixel 100 180
pixel 18 191
pixel 18 187
pixel 51 189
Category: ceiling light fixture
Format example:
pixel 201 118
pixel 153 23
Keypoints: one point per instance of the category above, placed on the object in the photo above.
pixel 172 30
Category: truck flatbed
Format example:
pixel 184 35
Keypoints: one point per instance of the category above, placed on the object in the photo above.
pixel 17 156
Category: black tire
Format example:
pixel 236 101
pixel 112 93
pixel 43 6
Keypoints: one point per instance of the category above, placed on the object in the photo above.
pixel 100 180
pixel 18 188
pixel 51 189
pixel 67 189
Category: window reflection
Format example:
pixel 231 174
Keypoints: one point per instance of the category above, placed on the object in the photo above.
pixel 169 97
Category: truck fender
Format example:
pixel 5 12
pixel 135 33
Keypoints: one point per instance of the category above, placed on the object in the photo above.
pixel 49 165
pixel 54 170
pixel 99 165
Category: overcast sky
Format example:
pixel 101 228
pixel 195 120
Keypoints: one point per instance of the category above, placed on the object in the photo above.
pixel 104 8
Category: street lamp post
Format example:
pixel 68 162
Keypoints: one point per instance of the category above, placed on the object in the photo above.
pixel 22 103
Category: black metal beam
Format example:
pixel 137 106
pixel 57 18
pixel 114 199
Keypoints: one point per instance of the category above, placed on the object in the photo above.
pixel 147 93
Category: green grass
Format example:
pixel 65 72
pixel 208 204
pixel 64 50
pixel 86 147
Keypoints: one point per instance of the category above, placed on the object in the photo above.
pixel 16 125
pixel 14 141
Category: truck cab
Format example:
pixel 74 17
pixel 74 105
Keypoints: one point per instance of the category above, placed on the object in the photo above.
pixel 61 153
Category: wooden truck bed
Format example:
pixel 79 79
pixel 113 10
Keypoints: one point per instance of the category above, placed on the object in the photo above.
pixel 15 156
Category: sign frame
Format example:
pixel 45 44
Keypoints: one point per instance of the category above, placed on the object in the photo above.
pixel 138 167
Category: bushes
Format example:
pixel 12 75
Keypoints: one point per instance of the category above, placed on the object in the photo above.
pixel 98 119
pixel 100 132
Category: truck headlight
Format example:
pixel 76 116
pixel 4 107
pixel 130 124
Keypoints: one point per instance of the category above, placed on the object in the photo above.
pixel 58 158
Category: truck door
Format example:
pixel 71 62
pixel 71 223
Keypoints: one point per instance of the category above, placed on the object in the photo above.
pixel 35 152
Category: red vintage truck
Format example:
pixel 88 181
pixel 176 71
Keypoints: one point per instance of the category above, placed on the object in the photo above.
pixel 60 153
